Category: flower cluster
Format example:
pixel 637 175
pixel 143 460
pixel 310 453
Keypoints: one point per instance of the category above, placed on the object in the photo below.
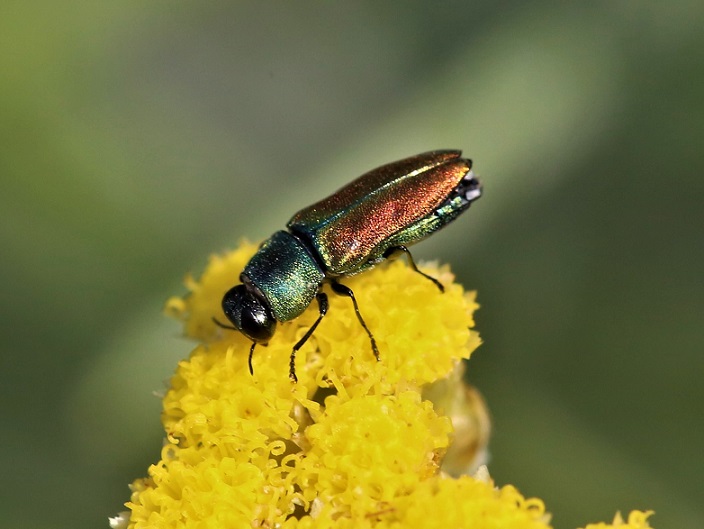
pixel 355 443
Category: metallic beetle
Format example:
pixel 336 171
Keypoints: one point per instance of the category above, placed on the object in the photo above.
pixel 369 220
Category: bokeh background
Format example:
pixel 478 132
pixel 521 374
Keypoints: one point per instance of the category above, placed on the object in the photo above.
pixel 138 137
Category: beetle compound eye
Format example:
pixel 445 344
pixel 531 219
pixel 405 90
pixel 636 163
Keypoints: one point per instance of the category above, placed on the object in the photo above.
pixel 257 323
pixel 249 313
pixel 232 304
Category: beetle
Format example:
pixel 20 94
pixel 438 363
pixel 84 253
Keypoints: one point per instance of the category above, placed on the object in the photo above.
pixel 371 219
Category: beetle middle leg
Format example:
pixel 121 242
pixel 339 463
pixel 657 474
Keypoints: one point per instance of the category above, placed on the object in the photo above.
pixel 323 309
pixel 342 290
pixel 396 251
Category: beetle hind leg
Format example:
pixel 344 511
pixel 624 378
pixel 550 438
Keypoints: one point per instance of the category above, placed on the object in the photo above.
pixel 396 251
pixel 343 290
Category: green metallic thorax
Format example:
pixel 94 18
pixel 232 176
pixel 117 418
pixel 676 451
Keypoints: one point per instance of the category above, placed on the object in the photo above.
pixel 286 274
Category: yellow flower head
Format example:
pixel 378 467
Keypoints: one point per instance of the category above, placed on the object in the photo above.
pixel 355 443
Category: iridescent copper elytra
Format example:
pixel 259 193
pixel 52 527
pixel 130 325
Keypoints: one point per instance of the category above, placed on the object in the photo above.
pixel 369 220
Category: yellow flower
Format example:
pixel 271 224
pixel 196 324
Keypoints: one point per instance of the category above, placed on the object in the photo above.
pixel 636 520
pixel 355 443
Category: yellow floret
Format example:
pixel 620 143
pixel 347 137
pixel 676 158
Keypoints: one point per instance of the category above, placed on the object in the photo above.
pixel 355 443
pixel 421 332
pixel 636 520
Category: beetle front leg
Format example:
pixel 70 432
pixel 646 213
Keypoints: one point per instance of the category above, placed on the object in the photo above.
pixel 249 360
pixel 396 251
pixel 342 290
pixel 323 309
pixel 251 349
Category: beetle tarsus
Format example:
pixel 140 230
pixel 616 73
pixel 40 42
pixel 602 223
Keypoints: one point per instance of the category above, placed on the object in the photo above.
pixel 343 290
pixel 396 251
pixel 292 368
pixel 323 310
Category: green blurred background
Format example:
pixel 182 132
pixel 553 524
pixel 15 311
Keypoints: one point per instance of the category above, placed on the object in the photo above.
pixel 138 137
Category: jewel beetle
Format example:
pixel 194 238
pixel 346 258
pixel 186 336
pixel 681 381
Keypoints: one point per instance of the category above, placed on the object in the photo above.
pixel 373 218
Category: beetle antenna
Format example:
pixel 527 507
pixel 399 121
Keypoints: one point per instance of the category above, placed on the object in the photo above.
pixel 223 326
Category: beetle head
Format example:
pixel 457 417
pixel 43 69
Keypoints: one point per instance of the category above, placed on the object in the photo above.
pixel 250 313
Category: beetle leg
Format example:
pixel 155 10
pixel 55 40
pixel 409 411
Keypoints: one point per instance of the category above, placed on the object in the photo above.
pixel 251 349
pixel 342 290
pixel 395 251
pixel 323 309
pixel 251 352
